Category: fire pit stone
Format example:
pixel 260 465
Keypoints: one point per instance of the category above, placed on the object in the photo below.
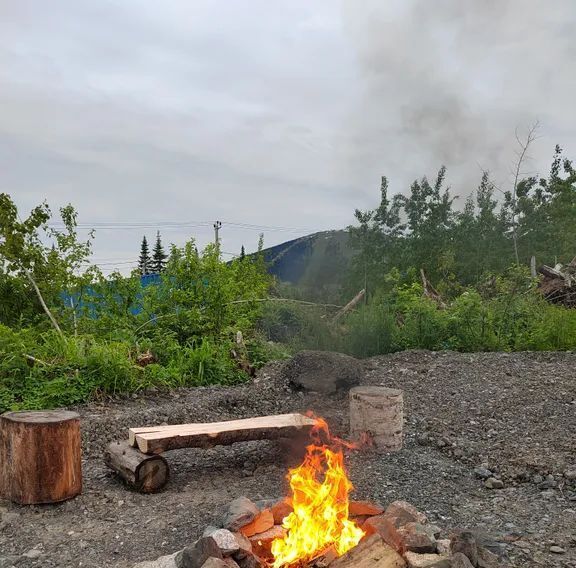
pixel 415 560
pixel 196 555
pixel 460 560
pixel 263 521
pixel 398 538
pixel 227 541
pixel 239 513
pixel 403 512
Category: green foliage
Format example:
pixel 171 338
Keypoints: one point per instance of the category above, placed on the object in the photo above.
pixel 458 248
pixel 187 324
pixel 158 256
pixel 513 316
pixel 144 261
pixel 27 258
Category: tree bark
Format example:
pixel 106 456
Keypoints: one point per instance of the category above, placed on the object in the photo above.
pixel 146 474
pixel 40 456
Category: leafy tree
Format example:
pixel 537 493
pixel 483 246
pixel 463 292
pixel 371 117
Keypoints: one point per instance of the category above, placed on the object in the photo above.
pixel 144 262
pixel 158 256
pixel 26 262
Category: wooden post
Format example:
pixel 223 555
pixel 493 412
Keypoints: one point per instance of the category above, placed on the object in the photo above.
pixel 40 456
pixel 376 416
pixel 146 474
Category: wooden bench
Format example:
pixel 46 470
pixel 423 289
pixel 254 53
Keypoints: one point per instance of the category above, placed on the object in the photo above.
pixel 138 460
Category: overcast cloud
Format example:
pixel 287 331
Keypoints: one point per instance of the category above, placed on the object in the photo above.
pixel 269 113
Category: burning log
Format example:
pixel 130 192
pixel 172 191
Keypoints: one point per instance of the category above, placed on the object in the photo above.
pixel 146 474
pixel 40 456
pixel 376 415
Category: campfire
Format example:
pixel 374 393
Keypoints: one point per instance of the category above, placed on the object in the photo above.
pixel 319 521
pixel 317 525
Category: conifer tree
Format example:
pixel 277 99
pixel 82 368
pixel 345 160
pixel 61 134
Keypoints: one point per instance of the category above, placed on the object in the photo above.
pixel 158 256
pixel 144 262
pixel 242 253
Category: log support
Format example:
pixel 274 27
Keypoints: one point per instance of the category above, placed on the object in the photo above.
pixel 144 473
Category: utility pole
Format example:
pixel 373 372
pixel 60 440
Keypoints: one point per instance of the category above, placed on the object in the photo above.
pixel 217 227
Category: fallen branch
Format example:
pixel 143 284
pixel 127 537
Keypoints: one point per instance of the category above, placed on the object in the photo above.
pixel 350 305
pixel 284 300
pixel 43 303
pixel 34 359
pixel 430 291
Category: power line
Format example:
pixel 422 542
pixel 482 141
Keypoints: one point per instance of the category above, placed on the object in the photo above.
pixel 133 225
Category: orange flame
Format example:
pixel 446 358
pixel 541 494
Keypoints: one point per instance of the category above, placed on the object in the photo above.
pixel 319 520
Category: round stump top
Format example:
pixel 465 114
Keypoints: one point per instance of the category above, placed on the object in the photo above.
pixel 375 391
pixel 41 416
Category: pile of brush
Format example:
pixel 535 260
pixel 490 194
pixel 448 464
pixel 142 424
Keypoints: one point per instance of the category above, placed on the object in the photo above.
pixel 558 284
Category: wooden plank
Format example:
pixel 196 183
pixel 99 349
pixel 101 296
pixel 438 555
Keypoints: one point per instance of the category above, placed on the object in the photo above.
pixel 158 439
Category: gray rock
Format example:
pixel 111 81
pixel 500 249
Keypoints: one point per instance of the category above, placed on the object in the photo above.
pixel 240 512
pixel 196 555
pixel 323 371
pixel 548 483
pixel 465 543
pixel 417 537
pixel 483 472
pixel 493 483
pixel 169 561
pixel 487 559
pixel 460 560
pixel 214 563
pixel 557 550
pixel 33 553
pixel 250 560
pixel 226 541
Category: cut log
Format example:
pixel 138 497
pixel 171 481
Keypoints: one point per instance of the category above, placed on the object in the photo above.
pixel 146 474
pixel 158 439
pixel 377 414
pixel 371 552
pixel 40 456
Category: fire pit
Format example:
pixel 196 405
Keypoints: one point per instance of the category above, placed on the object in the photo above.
pixel 317 526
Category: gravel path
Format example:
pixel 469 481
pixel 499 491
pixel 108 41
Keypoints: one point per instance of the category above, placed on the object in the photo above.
pixel 514 413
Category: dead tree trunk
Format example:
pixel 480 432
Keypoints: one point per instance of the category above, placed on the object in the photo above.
pixel 376 417
pixel 40 456
pixel 146 474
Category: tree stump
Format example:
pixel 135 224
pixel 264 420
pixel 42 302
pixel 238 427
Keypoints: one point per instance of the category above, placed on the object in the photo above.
pixel 376 417
pixel 40 456
pixel 144 473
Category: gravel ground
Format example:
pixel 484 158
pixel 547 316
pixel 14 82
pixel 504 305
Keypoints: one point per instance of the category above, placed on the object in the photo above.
pixel 513 413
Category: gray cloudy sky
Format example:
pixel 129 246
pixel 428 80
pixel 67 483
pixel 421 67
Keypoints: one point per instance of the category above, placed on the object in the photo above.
pixel 276 113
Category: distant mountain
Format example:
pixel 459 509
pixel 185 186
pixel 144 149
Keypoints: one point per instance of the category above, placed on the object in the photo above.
pixel 315 263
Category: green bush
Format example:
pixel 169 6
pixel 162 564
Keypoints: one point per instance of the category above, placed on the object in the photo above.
pixel 514 317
